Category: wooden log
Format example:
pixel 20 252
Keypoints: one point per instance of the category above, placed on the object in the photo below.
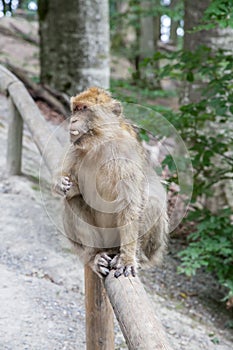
pixel 99 314
pixel 14 140
pixel 16 33
pixel 46 142
pixel 38 92
pixel 135 314
pixel 6 78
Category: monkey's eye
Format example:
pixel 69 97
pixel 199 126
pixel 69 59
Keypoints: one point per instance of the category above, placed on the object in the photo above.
pixel 79 108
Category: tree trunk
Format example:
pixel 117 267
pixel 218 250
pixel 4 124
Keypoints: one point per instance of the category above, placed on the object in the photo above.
pixel 74 44
pixel 174 25
pixel 4 5
pixel 149 35
pixel 216 38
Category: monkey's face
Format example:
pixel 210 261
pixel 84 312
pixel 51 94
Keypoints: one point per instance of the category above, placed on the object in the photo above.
pixel 81 123
pixel 92 111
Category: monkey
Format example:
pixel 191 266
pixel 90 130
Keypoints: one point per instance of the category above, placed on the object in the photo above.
pixel 114 205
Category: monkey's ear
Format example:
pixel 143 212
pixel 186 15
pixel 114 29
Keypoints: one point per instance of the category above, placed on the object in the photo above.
pixel 117 108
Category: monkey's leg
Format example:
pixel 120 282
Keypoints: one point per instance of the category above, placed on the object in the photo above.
pixel 125 262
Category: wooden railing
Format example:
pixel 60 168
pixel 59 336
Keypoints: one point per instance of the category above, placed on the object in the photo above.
pixel 126 296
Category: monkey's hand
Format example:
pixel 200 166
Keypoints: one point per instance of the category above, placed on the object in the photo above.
pixel 123 266
pixel 102 264
pixel 62 185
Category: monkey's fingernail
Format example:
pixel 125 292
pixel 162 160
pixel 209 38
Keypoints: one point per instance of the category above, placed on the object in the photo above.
pixel 104 271
pixel 133 271
pixel 106 257
pixel 103 262
pixel 126 273
pixel 117 273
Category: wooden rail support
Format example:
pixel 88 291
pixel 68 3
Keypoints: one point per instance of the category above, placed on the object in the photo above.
pixel 99 314
pixel 40 131
pixel 14 140
pixel 135 314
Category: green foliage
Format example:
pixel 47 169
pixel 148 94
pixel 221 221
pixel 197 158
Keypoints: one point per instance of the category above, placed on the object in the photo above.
pixel 125 25
pixel 206 127
pixel 206 124
pixel 219 12
pixel 143 135
pixel 210 246
pixel 127 91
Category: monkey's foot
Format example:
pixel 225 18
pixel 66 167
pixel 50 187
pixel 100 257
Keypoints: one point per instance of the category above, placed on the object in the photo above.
pixel 65 184
pixel 102 264
pixel 121 268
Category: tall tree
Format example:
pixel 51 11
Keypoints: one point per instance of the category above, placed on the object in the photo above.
pixel 149 35
pixel 174 24
pixel 74 38
pixel 214 38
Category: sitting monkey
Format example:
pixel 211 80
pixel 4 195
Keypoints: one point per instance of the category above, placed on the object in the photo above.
pixel 114 204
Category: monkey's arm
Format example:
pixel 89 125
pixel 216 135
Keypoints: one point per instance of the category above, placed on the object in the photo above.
pixel 72 191
pixel 125 263
pixel 65 182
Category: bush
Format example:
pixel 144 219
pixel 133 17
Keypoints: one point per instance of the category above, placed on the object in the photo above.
pixel 211 247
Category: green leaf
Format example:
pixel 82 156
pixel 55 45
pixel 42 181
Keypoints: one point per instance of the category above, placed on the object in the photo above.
pixel 231 109
pixel 190 77
pixel 143 135
pixel 215 340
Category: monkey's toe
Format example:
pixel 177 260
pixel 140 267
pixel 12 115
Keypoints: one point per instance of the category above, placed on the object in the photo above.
pixel 128 270
pixel 114 261
pixel 103 270
pixel 102 264
pixel 65 184
pixel 119 271
pixel 106 258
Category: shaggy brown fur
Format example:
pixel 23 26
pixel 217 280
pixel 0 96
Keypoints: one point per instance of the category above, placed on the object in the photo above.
pixel 114 204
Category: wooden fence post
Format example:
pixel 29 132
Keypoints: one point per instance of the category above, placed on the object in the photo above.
pixel 140 326
pixel 14 141
pixel 99 314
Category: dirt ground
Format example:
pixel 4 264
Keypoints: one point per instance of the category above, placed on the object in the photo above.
pixel 41 280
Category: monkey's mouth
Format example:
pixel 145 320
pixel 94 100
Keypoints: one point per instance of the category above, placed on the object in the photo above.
pixel 77 135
